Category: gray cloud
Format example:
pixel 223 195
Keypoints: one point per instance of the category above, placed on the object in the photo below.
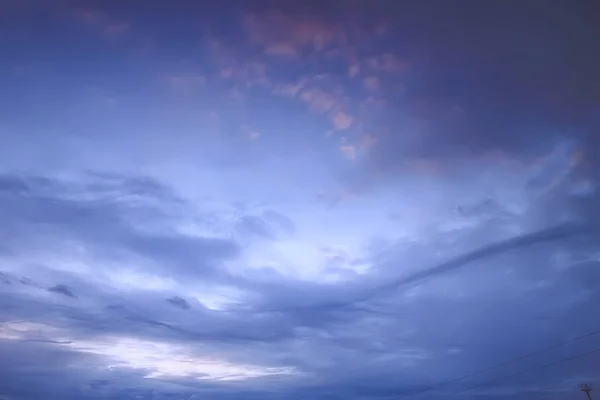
pixel 253 225
pixel 62 289
pixel 421 332
pixel 179 302
pixel 282 222
pixel 104 216
pixel 351 352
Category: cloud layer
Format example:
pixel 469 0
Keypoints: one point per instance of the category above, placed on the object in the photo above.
pixel 294 201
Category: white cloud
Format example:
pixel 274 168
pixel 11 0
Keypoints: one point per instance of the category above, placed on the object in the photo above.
pixel 159 358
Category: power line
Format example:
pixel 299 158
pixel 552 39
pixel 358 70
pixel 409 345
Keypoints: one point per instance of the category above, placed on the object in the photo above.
pixel 580 355
pixel 555 346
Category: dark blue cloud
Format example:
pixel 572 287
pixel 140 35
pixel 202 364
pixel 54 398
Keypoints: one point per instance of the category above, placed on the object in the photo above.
pixel 63 290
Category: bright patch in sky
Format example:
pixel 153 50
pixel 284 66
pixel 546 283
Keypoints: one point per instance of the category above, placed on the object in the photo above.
pixel 159 359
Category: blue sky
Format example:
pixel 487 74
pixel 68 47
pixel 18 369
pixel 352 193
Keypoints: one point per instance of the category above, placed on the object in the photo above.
pixel 273 200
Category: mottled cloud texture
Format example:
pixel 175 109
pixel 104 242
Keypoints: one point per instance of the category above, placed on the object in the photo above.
pixel 336 200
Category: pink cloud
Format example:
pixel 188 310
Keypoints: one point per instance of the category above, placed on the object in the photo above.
pixel 349 151
pixel 331 101
pixel 282 49
pixel 283 35
pixel 106 25
pixel 342 120
pixel 246 72
pixel 288 90
pixel 386 62
pixel 319 101
pixel 371 83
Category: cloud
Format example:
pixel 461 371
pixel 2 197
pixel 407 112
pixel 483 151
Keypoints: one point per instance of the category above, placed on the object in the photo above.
pixel 195 264
pixel 342 120
pixel 104 24
pixel 249 74
pixel 105 216
pixel 279 221
pixel 371 83
pixel 427 122
pixel 135 342
pixel 179 302
pixel 320 101
pixel 282 35
pixel 63 290
pixel 387 62
pixel 254 225
pixel 349 151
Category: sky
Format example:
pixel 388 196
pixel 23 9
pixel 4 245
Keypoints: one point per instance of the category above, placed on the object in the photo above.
pixel 336 199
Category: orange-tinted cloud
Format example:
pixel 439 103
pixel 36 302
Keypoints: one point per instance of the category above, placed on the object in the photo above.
pixel 301 39
pixel 318 100
pixel 331 102
pixel 287 36
pixel 342 121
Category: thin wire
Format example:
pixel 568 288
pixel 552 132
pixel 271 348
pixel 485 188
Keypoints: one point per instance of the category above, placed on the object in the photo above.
pixel 555 346
pixel 530 370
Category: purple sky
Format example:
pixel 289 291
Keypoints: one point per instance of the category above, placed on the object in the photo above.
pixel 342 199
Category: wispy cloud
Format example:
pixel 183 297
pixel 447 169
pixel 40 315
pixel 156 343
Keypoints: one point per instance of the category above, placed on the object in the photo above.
pixel 285 35
pixel 104 24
